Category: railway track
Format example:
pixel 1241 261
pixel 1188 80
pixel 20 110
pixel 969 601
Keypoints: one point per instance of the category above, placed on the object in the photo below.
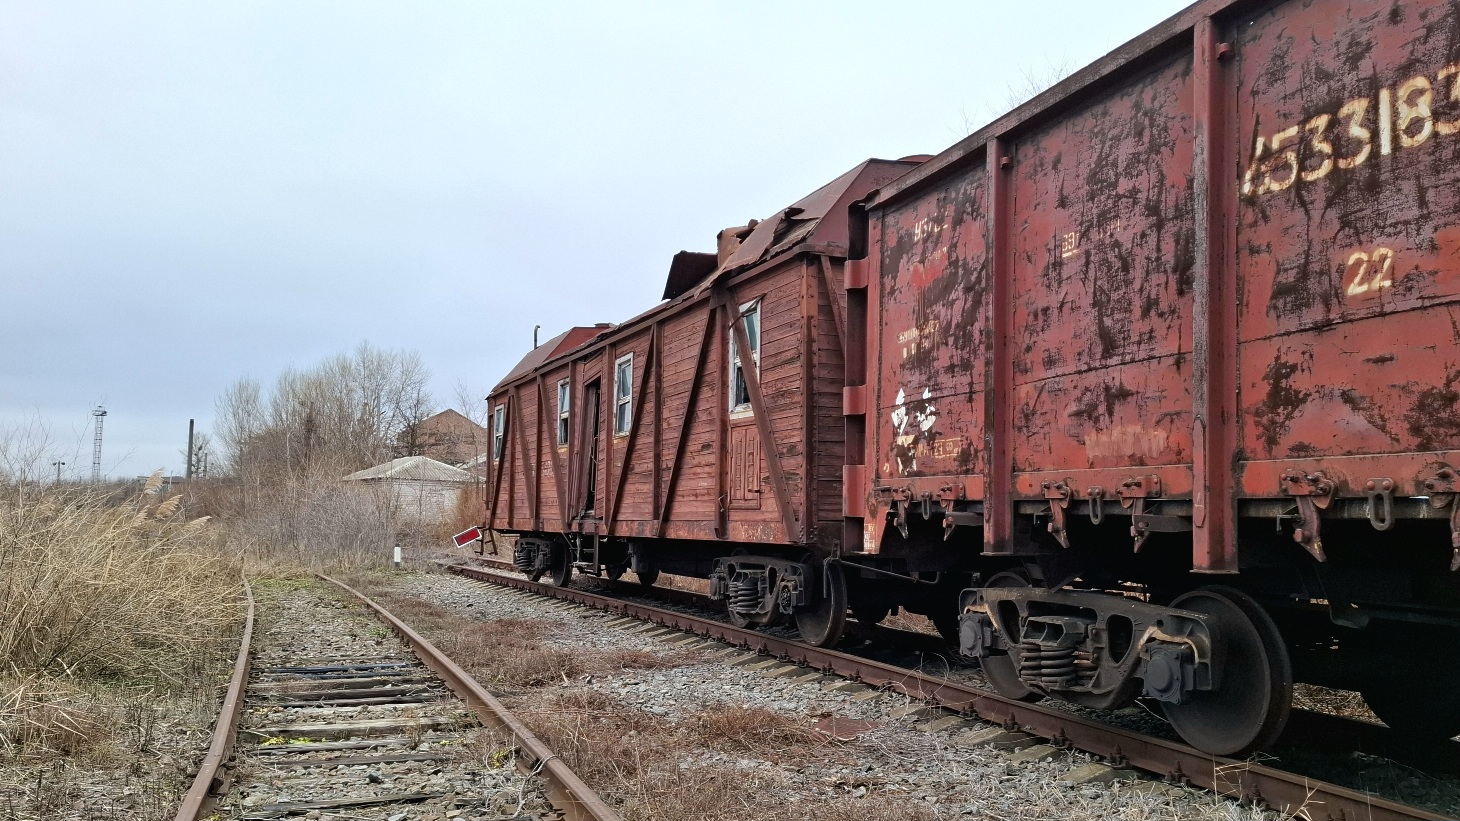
pixel 1315 729
pixel 327 715
pixel 1289 792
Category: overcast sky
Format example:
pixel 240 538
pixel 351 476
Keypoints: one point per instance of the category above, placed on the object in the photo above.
pixel 191 193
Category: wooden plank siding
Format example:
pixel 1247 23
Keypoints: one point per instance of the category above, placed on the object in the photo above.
pixel 689 468
pixel 649 473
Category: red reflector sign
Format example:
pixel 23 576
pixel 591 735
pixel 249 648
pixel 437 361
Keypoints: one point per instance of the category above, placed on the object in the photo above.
pixel 466 537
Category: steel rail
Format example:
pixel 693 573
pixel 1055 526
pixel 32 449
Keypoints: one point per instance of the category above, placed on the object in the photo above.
pixel 207 781
pixel 567 792
pixel 1286 792
pixel 1316 729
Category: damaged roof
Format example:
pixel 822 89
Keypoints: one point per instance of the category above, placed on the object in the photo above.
pixel 802 221
pixel 560 344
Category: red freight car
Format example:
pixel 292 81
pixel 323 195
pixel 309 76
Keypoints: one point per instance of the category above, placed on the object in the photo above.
pixel 1168 358
pixel 704 437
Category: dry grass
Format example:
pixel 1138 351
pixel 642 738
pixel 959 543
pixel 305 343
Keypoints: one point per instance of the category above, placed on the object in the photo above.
pixel 41 716
pixel 658 770
pixel 912 622
pixel 94 590
pixel 506 651
pixel 690 583
pixel 1344 703
pixel 740 729
pixel 654 768
pixel 117 622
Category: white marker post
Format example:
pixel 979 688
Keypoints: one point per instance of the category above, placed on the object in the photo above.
pixel 397 557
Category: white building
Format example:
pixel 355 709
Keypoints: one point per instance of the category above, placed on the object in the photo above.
pixel 422 490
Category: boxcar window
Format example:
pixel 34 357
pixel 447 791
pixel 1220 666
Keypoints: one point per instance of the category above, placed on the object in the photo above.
pixel 499 428
pixel 623 387
pixel 564 407
pixel 739 391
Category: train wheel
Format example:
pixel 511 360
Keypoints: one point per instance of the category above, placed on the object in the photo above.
pixel 1250 709
pixel 562 570
pixel 822 623
pixel 648 576
pixel 1002 671
pixel 614 572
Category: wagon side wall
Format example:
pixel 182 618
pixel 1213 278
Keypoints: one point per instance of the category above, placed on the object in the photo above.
pixel 1218 262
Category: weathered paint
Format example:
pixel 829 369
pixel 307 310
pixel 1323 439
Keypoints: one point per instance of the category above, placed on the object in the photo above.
pixel 1228 250
pixel 687 468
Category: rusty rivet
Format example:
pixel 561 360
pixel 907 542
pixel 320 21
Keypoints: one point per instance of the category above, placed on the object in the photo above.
pixel 1044 485
pixel 1429 484
pixel 1312 477
pixel 1290 478
pixel 1446 473
pixel 1369 485
pixel 1298 533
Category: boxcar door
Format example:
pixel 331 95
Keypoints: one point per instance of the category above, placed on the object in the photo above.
pixel 590 454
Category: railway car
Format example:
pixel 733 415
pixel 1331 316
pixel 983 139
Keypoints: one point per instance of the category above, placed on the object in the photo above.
pixel 1167 360
pixel 705 436
pixel 1150 388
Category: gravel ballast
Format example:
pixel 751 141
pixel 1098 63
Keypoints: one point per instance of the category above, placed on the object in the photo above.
pixel 887 756
pixel 454 769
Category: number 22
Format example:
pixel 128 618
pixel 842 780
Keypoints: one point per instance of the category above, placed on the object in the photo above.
pixel 1382 260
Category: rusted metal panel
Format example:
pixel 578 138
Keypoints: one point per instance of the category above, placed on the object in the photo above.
pixel 1102 276
pixel 1349 230
pixel 1220 257
pixel 933 328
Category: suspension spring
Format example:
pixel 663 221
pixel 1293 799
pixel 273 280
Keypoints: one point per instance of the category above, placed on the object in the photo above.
pixel 523 558
pixel 1048 666
pixel 744 595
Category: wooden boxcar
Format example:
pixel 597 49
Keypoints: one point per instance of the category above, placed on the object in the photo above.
pixel 1167 360
pixel 705 436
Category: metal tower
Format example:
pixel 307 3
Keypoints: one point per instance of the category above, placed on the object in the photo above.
pixel 100 414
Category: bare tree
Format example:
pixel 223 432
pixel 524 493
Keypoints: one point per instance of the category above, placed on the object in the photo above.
pixel 285 450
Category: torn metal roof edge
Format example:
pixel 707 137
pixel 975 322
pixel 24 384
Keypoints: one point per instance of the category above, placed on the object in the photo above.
pixel 816 236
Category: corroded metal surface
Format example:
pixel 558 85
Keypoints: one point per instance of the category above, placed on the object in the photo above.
pixel 1226 251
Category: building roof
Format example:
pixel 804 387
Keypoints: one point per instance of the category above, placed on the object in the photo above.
pixel 560 344
pixel 451 416
pixel 413 469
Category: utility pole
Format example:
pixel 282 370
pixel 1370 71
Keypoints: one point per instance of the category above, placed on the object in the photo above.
pixel 188 471
pixel 100 414
pixel 58 464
